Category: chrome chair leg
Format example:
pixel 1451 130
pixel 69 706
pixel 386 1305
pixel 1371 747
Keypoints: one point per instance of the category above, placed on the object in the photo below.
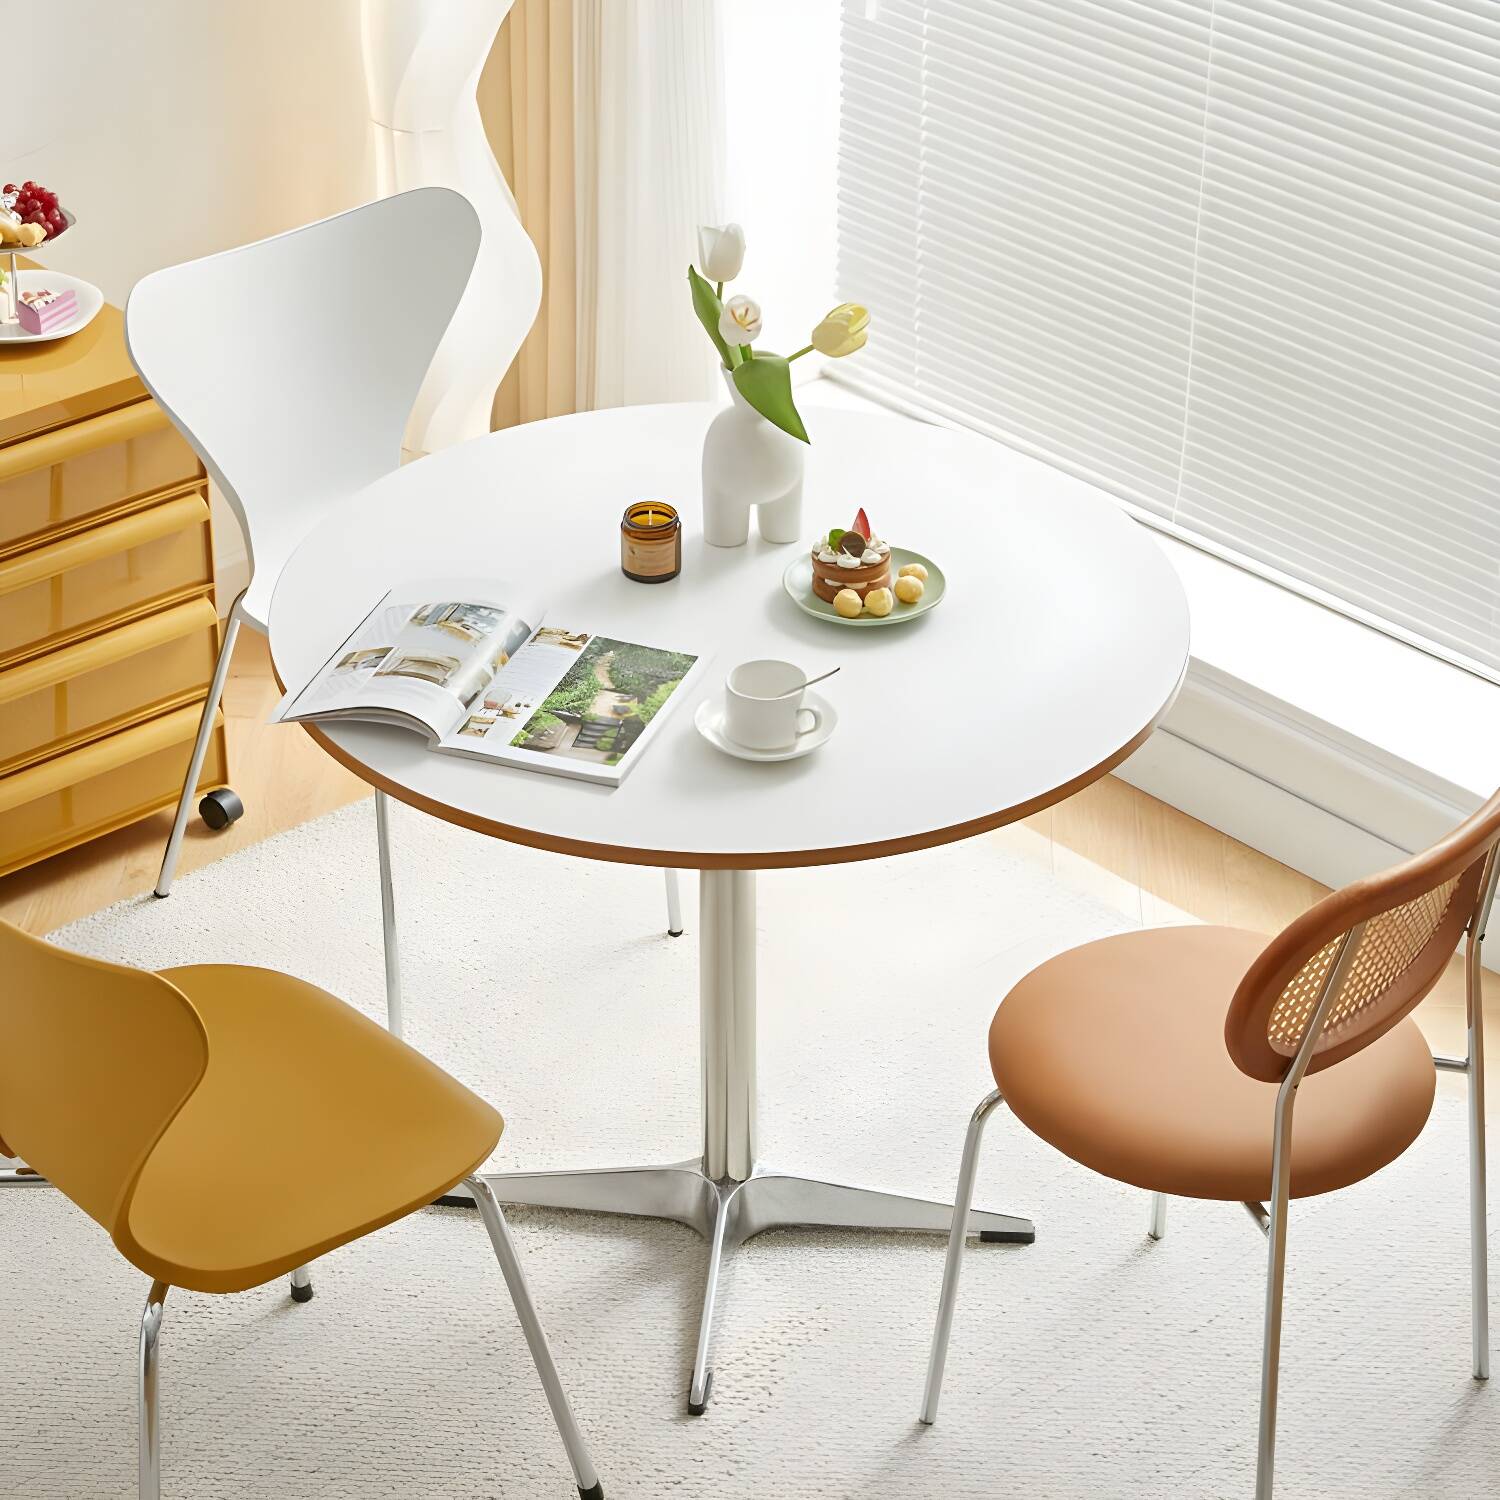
pixel 1270 1369
pixel 149 1449
pixel 520 1295
pixel 1479 1270
pixel 302 1287
pixel 674 905
pixel 1158 1216
pixel 394 1020
pixel 200 750
pixel 963 1199
pixel 1281 1192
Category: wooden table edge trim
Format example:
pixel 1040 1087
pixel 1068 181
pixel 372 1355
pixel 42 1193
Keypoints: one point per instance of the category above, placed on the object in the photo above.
pixel 761 860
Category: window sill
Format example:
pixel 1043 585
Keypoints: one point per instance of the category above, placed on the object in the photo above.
pixel 1318 740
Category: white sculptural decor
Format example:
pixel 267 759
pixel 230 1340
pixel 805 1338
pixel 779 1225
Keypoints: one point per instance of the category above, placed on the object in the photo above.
pixel 754 450
pixel 423 59
pixel 748 463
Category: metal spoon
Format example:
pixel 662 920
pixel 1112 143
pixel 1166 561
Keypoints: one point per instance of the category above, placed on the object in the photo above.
pixel 802 685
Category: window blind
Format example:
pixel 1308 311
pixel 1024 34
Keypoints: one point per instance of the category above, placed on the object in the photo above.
pixel 1237 261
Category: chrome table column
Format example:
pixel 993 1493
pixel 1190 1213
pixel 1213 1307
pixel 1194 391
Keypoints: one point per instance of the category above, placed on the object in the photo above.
pixel 726 1195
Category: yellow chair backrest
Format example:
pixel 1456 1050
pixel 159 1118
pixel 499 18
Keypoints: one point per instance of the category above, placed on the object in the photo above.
pixel 95 1061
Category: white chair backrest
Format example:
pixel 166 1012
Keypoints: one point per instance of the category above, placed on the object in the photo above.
pixel 291 365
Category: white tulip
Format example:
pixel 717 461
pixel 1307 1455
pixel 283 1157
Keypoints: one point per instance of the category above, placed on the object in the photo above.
pixel 740 321
pixel 721 251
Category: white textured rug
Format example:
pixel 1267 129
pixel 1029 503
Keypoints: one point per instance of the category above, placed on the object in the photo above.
pixel 1091 1364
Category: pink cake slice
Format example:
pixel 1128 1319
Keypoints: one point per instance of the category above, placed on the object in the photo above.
pixel 41 312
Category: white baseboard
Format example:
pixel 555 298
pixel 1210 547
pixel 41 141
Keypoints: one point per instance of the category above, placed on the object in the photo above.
pixel 1289 785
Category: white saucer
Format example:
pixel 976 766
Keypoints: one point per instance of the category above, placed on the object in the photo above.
pixel 710 722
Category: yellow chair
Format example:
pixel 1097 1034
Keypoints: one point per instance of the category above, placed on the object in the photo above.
pixel 172 1110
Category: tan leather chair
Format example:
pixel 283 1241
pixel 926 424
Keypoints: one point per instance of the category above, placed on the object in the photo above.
pixel 170 1109
pixel 1172 1059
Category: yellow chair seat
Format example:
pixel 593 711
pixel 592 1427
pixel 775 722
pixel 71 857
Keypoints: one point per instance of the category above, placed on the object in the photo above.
pixel 246 1185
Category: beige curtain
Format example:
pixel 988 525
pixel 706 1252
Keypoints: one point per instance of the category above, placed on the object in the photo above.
pixel 526 100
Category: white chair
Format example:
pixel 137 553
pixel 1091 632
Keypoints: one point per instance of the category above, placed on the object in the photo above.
pixel 291 366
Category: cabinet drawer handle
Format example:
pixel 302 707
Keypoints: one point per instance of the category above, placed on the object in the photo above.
pixel 109 754
pixel 104 650
pixel 102 541
pixel 63 443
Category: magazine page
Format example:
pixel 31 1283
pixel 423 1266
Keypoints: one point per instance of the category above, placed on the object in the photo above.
pixel 574 703
pixel 422 656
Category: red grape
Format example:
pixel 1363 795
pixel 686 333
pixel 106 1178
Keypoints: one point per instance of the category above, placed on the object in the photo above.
pixel 36 204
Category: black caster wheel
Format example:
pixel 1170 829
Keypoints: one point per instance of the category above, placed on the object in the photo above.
pixel 697 1408
pixel 221 808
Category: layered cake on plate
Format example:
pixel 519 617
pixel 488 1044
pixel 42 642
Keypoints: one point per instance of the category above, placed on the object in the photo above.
pixel 854 559
pixel 42 311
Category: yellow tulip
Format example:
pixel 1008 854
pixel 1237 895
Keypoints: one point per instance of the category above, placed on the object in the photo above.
pixel 843 331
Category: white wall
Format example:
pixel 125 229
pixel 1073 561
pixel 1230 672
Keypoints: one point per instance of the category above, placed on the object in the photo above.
pixel 174 128
pixel 781 66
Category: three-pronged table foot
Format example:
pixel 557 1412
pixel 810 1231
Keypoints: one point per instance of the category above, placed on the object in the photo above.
pixel 727 1213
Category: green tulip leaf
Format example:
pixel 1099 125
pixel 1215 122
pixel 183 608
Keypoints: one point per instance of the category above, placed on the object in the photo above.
pixel 766 383
pixel 709 308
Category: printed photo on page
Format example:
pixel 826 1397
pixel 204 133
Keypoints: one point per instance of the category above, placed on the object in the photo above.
pixel 483 677
pixel 592 713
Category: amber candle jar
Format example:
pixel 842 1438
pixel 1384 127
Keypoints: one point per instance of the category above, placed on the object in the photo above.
pixel 650 542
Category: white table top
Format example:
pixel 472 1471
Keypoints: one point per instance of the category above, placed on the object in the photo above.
pixel 1060 644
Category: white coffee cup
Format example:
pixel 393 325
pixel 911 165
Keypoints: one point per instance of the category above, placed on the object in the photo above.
pixel 757 715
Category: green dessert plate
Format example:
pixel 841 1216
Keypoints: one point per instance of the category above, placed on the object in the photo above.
pixel 797 581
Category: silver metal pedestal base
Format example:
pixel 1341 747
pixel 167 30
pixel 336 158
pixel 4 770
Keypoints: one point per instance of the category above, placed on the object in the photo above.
pixel 726 1195
pixel 727 1213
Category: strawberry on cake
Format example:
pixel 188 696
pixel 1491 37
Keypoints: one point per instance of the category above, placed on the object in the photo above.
pixel 854 559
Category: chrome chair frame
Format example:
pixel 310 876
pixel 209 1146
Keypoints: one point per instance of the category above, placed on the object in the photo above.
pixel 200 748
pixel 394 1016
pixel 584 1475
pixel 1273 1221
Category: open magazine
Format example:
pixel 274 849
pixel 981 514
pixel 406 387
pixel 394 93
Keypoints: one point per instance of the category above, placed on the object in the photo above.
pixel 487 678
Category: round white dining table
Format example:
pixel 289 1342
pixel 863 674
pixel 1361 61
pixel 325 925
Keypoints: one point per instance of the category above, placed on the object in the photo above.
pixel 1059 645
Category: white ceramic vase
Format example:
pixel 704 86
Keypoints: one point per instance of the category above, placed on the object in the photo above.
pixel 423 59
pixel 750 464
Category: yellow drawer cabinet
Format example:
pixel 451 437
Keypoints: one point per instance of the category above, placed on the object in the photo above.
pixel 71 475
pixel 108 630
pixel 148 666
pixel 83 583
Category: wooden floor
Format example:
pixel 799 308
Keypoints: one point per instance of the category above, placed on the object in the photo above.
pixel 1154 863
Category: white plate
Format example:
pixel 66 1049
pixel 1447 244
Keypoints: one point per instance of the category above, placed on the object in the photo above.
pixel 90 300
pixel 710 722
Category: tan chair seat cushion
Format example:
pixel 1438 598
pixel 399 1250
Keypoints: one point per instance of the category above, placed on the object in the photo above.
pixel 311 1127
pixel 1114 1053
